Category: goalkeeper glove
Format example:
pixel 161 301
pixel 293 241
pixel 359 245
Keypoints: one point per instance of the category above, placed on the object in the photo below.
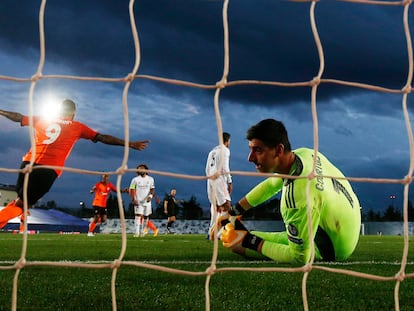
pixel 223 219
pixel 232 239
pixel 226 218
pixel 234 220
pixel 237 238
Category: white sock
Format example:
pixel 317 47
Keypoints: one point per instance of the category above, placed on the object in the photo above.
pixel 145 224
pixel 137 224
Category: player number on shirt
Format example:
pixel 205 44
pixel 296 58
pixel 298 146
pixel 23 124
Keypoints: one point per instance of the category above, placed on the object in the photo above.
pixel 52 132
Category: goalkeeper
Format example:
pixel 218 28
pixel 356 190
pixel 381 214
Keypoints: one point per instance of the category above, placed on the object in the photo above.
pixel 334 208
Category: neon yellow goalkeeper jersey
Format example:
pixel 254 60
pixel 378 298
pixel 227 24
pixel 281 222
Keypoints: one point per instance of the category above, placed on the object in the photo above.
pixel 334 209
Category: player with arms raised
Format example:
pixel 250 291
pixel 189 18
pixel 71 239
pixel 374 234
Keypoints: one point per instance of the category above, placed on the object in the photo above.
pixel 53 143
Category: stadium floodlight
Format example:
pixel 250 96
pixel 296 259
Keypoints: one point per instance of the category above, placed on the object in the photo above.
pixel 51 106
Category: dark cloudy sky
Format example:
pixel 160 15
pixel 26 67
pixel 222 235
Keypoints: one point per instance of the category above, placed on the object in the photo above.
pixel 361 131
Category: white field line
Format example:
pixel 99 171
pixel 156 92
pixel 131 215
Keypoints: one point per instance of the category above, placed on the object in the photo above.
pixel 247 263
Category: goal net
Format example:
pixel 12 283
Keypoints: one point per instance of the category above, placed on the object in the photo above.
pixel 290 80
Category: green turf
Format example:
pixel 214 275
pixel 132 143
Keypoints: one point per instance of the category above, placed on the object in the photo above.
pixel 46 287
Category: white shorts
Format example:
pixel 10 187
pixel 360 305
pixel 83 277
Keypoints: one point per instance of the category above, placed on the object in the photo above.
pixel 143 209
pixel 221 191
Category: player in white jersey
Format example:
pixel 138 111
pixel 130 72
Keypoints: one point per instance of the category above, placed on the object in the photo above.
pixel 141 191
pixel 219 187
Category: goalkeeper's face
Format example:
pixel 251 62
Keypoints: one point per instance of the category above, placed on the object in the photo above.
pixel 265 158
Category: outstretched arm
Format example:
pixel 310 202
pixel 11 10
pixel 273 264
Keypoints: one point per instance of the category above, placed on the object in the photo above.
pixel 14 116
pixel 112 140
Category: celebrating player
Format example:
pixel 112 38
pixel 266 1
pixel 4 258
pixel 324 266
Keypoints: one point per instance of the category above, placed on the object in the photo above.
pixel 102 190
pixel 53 143
pixel 334 207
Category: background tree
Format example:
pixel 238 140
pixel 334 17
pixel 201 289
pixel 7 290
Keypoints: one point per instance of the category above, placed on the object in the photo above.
pixel 267 210
pixel 371 215
pixel 159 210
pixel 410 211
pixel 392 214
pixel 112 206
pixel 191 209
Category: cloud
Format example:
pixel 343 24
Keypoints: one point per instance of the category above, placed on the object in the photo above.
pixel 185 40
pixel 363 132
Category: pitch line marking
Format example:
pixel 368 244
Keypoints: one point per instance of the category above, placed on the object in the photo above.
pixel 190 262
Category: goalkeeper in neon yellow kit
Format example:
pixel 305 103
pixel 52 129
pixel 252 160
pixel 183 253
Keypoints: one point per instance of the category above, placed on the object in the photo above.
pixel 334 208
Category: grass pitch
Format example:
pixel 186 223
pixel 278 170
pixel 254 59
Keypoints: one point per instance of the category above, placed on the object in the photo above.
pixel 43 284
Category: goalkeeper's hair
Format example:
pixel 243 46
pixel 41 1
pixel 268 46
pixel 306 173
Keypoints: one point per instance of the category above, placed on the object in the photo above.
pixel 272 132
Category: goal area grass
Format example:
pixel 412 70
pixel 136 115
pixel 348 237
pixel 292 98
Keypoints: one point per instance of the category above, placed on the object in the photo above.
pixel 45 286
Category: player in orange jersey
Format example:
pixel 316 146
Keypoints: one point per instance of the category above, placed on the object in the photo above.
pixel 53 143
pixel 102 189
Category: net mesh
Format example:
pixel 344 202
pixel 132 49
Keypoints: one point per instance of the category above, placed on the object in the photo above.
pixel 313 83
